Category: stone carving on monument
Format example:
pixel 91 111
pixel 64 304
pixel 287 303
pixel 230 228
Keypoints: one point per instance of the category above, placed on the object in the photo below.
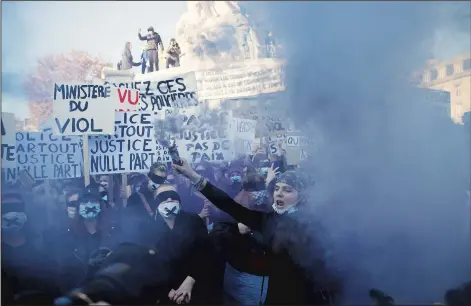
pixel 212 33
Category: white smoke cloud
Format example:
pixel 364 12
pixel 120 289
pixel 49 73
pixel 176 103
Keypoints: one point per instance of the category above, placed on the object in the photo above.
pixel 392 170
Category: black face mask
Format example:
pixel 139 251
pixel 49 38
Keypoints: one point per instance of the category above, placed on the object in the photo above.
pixel 156 179
pixel 170 194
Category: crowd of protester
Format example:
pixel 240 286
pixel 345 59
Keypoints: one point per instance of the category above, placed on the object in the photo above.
pixel 233 233
pixel 149 60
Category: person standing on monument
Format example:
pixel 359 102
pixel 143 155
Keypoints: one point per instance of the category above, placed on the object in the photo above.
pixel 270 45
pixel 173 54
pixel 153 42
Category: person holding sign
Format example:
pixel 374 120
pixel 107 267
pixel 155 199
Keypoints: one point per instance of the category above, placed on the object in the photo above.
pixel 297 276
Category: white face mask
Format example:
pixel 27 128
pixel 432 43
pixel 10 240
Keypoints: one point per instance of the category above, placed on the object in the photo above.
pixel 169 209
pixel 71 211
pixel 290 209
pixel 89 210
pixel 13 222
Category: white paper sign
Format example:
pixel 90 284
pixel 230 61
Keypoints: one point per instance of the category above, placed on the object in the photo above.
pixel 81 109
pixel 47 156
pixel 8 140
pixel 132 148
pixel 243 135
pixel 125 100
pixel 162 90
pixel 253 78
pixel 210 142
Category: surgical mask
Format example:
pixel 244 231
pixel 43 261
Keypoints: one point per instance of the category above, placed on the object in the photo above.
pixel 89 210
pixel 169 209
pixel 288 210
pixel 71 211
pixel 13 222
pixel 236 179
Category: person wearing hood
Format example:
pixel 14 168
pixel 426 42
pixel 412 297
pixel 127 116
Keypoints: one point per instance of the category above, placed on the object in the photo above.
pixel 141 205
pixel 153 42
pixel 127 59
pixel 90 230
pixel 297 275
pixel 184 238
pixel 25 266
pixel 173 54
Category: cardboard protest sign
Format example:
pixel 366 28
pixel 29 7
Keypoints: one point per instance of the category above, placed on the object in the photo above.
pixel 253 78
pixel 47 156
pixel 162 89
pixel 132 148
pixel 273 143
pixel 125 100
pixel 243 135
pixel 8 140
pixel 296 149
pixel 81 109
pixel 206 138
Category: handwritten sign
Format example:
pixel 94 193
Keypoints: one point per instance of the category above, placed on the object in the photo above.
pixel 125 100
pixel 161 90
pixel 209 142
pixel 253 78
pixel 81 109
pixel 132 148
pixel 243 135
pixel 46 156
pixel 8 140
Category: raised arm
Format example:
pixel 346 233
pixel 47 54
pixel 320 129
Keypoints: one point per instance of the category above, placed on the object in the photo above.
pixel 220 199
pixel 141 37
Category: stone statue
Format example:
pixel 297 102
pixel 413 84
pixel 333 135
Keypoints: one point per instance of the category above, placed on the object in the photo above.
pixel 216 32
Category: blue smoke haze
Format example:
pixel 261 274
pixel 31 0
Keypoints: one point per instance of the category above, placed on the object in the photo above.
pixel 391 170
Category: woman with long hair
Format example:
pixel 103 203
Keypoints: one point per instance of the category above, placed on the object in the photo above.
pixel 127 59
pixel 297 267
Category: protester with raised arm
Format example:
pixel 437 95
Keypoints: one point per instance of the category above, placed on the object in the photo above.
pixel 153 42
pixel 297 272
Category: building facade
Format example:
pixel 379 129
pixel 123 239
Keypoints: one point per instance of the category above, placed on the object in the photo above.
pixel 454 76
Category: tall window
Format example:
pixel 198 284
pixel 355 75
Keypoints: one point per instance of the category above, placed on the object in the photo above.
pixel 467 64
pixel 433 74
pixel 458 90
pixel 450 69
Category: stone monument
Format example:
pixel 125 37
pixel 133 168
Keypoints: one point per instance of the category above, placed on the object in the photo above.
pixel 212 33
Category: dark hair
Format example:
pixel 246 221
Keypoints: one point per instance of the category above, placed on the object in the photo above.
pixel 150 29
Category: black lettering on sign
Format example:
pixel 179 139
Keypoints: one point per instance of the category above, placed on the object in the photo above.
pixel 8 152
pixel 77 105
pixel 293 141
pixel 3 129
pixel 82 125
pixel 244 126
pixel 106 163
pixel 85 91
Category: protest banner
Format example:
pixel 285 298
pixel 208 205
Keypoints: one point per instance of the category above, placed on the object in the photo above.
pixel 253 78
pixel 125 100
pixel 47 156
pixel 243 135
pixel 8 140
pixel 81 109
pixel 132 148
pixel 273 143
pixel 162 89
pixel 206 138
